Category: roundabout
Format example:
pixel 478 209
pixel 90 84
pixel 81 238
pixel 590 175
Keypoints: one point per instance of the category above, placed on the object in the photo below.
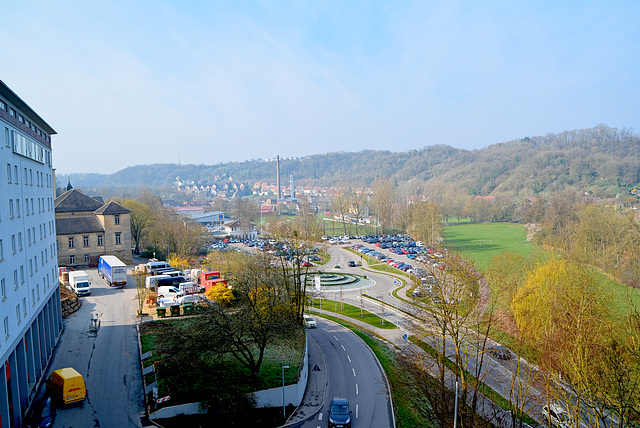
pixel 334 281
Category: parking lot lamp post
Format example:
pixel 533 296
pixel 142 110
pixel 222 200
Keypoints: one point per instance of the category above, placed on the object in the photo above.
pixel 284 412
pixel 335 300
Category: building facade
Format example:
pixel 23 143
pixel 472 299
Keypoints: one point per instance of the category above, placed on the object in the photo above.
pixel 88 228
pixel 30 313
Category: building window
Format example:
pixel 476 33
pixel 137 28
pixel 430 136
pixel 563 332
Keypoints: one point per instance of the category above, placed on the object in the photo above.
pixel 20 240
pixel 71 245
pixel 24 306
pixel 29 236
pixel 15 174
pixel 100 239
pixel 116 218
pixel 13 243
pixel 1 251
pixel 85 240
pixel 18 208
pixel 9 173
pixel 15 279
pixel 118 241
pixel 21 274
pixel 3 289
pixel 18 317
pixel 10 208
pixel 86 258
pixel 72 259
pixel 6 328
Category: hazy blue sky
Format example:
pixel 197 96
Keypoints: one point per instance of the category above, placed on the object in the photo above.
pixel 138 82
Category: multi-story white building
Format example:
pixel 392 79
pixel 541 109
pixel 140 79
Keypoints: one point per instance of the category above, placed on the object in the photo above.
pixel 30 313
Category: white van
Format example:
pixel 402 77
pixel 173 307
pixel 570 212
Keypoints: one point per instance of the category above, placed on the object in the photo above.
pixel 151 282
pixel 168 291
pixel 172 273
pixel 153 267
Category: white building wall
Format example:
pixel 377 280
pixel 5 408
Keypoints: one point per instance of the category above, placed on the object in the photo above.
pixel 30 314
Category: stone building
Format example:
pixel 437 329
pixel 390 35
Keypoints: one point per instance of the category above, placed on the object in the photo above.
pixel 87 228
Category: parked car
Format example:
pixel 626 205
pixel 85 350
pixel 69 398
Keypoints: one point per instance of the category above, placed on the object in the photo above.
pixel 339 413
pixel 500 352
pixel 43 413
pixel 309 322
pixel 556 415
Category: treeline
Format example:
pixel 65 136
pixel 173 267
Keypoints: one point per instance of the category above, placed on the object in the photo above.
pixel 602 160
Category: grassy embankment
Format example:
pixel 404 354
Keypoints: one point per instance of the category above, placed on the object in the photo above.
pixel 289 352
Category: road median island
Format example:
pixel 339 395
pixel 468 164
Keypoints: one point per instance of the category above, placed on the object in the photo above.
pixel 350 311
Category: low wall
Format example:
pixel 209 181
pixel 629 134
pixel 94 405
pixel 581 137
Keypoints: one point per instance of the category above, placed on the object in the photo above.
pixel 70 305
pixel 292 393
pixel 180 409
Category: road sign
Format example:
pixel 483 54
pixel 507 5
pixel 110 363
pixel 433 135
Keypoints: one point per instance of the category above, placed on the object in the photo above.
pixel 163 399
pixel 315 368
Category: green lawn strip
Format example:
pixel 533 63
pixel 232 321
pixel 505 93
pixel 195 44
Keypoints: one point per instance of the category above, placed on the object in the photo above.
pixel 473 381
pixel 352 312
pixel 324 257
pixel 409 405
pixel 482 241
pixel 270 372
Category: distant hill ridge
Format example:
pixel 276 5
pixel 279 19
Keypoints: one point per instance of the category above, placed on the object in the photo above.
pixel 603 159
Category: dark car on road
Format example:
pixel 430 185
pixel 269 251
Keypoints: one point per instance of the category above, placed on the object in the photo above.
pixel 500 352
pixel 352 263
pixel 339 413
pixel 42 414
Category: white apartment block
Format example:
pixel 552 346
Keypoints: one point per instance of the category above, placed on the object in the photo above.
pixel 30 313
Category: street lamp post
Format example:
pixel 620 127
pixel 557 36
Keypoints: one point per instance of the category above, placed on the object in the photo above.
pixel 335 300
pixel 284 412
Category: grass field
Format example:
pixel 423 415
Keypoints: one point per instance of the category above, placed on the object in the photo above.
pixel 482 241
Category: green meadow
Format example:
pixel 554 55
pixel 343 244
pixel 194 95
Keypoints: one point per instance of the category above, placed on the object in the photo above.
pixel 482 241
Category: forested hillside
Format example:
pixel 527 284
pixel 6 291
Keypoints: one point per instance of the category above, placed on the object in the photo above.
pixel 603 160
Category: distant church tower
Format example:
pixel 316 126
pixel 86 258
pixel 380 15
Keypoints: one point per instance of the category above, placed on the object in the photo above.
pixel 69 186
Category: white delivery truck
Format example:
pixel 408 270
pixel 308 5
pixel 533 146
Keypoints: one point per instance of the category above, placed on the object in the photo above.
pixel 80 282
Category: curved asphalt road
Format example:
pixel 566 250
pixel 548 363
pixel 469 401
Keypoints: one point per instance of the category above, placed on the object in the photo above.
pixel 353 372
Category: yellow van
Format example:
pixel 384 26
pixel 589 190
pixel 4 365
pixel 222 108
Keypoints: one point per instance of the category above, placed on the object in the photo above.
pixel 67 385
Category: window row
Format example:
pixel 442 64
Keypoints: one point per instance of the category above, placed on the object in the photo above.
pixel 44 205
pixel 42 179
pixel 16 241
pixel 86 242
pixel 26 122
